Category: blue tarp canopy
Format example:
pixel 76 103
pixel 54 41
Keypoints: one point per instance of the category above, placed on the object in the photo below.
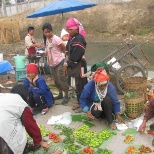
pixel 5 66
pixel 60 7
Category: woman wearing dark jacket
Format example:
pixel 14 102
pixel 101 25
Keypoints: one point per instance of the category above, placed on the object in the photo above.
pixel 75 50
pixel 99 98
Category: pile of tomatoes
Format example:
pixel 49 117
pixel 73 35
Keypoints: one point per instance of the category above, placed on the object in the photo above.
pixel 144 149
pixel 87 150
pixel 131 150
pixel 55 137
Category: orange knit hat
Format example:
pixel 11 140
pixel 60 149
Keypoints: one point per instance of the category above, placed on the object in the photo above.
pixel 32 68
pixel 100 75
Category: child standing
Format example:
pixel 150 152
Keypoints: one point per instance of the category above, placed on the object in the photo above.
pixel 39 92
pixel 55 49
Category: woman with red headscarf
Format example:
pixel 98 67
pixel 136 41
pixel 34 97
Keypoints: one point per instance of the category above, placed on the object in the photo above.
pixel 99 99
pixel 74 57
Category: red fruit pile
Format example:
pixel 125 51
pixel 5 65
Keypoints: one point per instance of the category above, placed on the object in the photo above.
pixel 144 149
pixel 131 150
pixel 87 150
pixel 55 137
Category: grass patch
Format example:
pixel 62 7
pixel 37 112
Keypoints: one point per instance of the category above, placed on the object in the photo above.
pixel 145 30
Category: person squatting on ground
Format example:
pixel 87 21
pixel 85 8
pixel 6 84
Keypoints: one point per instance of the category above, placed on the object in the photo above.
pixel 149 113
pixel 99 99
pixel 75 60
pixel 55 49
pixel 30 42
pixel 16 119
pixel 39 92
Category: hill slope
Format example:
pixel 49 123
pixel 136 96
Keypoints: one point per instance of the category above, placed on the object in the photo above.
pixel 104 22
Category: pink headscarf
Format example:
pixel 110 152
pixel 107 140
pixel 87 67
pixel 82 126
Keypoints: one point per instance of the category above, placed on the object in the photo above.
pixel 73 23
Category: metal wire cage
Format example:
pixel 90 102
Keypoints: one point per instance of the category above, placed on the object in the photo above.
pixel 128 61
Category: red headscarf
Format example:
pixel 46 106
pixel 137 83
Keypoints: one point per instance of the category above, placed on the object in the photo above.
pixel 100 75
pixel 32 68
pixel 73 23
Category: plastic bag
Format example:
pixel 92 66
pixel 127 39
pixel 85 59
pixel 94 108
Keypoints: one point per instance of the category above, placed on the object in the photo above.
pixel 63 119
pixel 121 126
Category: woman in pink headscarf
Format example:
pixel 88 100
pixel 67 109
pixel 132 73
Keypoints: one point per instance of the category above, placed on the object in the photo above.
pixel 75 61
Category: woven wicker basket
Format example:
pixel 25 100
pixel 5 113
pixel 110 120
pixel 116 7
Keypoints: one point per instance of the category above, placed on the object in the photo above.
pixel 134 106
pixel 136 84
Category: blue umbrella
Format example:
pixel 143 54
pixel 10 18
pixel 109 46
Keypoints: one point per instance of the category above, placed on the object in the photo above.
pixel 61 6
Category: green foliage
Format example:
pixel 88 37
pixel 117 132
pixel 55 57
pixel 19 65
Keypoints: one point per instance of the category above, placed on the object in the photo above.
pixel 130 94
pixel 82 118
pixel 145 31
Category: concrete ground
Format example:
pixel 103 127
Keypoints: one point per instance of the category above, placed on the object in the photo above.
pixel 116 143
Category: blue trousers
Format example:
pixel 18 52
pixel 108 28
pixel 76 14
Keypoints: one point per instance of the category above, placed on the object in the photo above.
pixel 36 99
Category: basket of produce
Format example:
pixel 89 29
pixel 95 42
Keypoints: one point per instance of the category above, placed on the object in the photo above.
pixel 134 104
pixel 136 84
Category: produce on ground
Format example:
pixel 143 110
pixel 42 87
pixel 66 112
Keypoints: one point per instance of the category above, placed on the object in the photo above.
pixel 44 132
pixel 152 142
pixel 129 139
pixel 87 150
pixel 150 132
pixel 131 150
pixel 72 147
pixel 141 150
pixel 93 139
pixel 67 131
pixel 103 151
pixel 144 149
pixel 55 137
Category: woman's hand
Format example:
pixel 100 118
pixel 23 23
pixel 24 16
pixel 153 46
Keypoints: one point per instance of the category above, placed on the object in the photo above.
pixel 44 144
pixel 120 118
pixel 142 127
pixel 90 116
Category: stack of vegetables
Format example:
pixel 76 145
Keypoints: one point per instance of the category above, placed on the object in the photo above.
pixel 84 137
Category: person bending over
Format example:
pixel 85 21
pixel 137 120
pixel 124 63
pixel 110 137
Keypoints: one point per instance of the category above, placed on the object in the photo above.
pixel 99 99
pixel 16 119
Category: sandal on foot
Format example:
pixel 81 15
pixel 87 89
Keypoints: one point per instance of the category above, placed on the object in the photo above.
pixel 79 110
pixel 65 101
pixel 113 126
pixel 60 96
pixel 75 107
pixel 44 111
